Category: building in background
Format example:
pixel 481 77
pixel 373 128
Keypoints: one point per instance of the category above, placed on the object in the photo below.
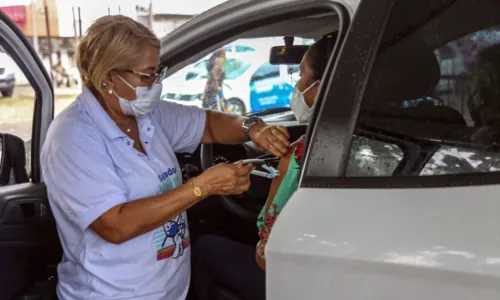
pixel 167 15
pixel 16 13
pixel 162 23
pixel 26 13
pixel 69 19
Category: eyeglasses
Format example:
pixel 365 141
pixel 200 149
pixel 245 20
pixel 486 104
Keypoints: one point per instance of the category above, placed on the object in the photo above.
pixel 145 77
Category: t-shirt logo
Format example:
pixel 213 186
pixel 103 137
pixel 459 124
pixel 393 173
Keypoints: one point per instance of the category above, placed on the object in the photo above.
pixel 172 238
pixel 175 240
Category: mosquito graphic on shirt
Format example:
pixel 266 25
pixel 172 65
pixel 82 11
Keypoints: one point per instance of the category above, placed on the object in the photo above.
pixel 175 230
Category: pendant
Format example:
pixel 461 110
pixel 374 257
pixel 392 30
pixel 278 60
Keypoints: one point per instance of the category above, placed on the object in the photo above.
pixel 128 130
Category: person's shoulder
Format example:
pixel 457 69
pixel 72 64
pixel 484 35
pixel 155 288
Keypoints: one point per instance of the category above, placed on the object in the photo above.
pixel 71 128
pixel 169 108
pixel 298 149
pixel 169 105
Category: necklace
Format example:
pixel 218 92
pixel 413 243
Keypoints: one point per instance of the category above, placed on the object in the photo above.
pixel 125 126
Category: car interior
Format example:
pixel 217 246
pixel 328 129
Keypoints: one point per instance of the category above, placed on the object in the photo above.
pixel 406 58
pixel 214 215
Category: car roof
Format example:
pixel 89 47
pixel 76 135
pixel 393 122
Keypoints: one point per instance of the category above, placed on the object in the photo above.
pixel 233 13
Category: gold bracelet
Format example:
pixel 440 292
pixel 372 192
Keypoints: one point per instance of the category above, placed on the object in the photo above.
pixel 196 190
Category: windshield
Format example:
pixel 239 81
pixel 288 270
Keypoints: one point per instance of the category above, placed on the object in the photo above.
pixel 237 78
pixel 233 68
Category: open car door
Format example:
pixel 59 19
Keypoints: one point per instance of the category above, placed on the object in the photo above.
pixel 28 236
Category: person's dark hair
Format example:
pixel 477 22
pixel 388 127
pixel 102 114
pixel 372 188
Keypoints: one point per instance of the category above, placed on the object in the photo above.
pixel 217 54
pixel 487 84
pixel 319 54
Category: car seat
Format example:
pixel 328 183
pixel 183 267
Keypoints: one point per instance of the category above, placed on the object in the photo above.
pixel 13 160
pixel 400 75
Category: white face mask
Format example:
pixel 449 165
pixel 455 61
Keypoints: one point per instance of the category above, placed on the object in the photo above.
pixel 147 99
pixel 299 106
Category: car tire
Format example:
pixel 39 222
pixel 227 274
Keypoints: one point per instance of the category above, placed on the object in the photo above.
pixel 8 93
pixel 237 106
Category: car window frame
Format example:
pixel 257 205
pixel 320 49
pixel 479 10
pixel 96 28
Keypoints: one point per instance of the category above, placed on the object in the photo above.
pixel 333 121
pixel 177 49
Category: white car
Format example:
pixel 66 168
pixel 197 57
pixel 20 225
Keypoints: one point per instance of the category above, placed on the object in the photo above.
pixel 7 75
pixel 251 83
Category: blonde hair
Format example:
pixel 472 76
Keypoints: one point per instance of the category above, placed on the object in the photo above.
pixel 111 43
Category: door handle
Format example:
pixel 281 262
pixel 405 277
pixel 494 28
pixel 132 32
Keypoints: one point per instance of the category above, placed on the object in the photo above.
pixel 24 210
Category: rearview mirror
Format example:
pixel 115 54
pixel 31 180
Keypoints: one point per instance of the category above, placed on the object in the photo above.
pixel 287 55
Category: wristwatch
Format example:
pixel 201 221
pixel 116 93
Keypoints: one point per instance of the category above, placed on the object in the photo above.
pixel 248 123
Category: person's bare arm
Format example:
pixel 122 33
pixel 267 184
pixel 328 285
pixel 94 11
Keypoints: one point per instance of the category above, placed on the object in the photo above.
pixel 275 184
pixel 224 128
pixel 128 220
pixel 233 129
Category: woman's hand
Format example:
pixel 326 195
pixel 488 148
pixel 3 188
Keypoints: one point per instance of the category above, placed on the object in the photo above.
pixel 225 179
pixel 274 139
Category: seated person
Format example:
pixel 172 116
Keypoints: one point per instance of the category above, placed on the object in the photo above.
pixel 484 102
pixel 218 260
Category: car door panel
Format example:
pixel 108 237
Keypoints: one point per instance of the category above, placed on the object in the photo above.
pixel 25 217
pixel 28 236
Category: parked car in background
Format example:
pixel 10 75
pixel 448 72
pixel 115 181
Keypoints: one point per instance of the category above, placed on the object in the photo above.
pixel 238 48
pixel 7 76
pixel 251 83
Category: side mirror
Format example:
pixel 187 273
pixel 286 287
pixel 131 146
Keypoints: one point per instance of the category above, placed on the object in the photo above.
pixel 287 55
pixel 12 160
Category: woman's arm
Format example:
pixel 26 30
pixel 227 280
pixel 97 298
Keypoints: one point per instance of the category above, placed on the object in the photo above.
pixel 223 128
pixel 275 184
pixel 131 219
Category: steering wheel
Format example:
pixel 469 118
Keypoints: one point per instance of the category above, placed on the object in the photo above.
pixel 230 202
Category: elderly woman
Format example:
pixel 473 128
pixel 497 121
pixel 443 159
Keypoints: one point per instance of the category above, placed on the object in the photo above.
pixel 113 180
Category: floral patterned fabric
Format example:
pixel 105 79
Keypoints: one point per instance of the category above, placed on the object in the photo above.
pixel 288 186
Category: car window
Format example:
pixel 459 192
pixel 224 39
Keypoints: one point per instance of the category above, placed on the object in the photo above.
pixel 436 85
pixel 455 160
pixel 371 157
pixel 17 103
pixel 266 71
pixel 241 78
pixel 244 49
pixel 233 68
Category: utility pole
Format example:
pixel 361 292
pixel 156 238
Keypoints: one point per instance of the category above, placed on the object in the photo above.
pixel 150 14
pixel 74 25
pixel 33 26
pixel 80 21
pixel 119 10
pixel 49 41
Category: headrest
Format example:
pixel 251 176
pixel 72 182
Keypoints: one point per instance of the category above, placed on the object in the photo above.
pixel 331 40
pixel 428 112
pixel 409 70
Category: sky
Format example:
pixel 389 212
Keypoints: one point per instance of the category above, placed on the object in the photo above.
pixel 163 6
pixel 93 9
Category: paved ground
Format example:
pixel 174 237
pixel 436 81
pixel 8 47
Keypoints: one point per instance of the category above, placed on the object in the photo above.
pixel 27 91
pixel 16 113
